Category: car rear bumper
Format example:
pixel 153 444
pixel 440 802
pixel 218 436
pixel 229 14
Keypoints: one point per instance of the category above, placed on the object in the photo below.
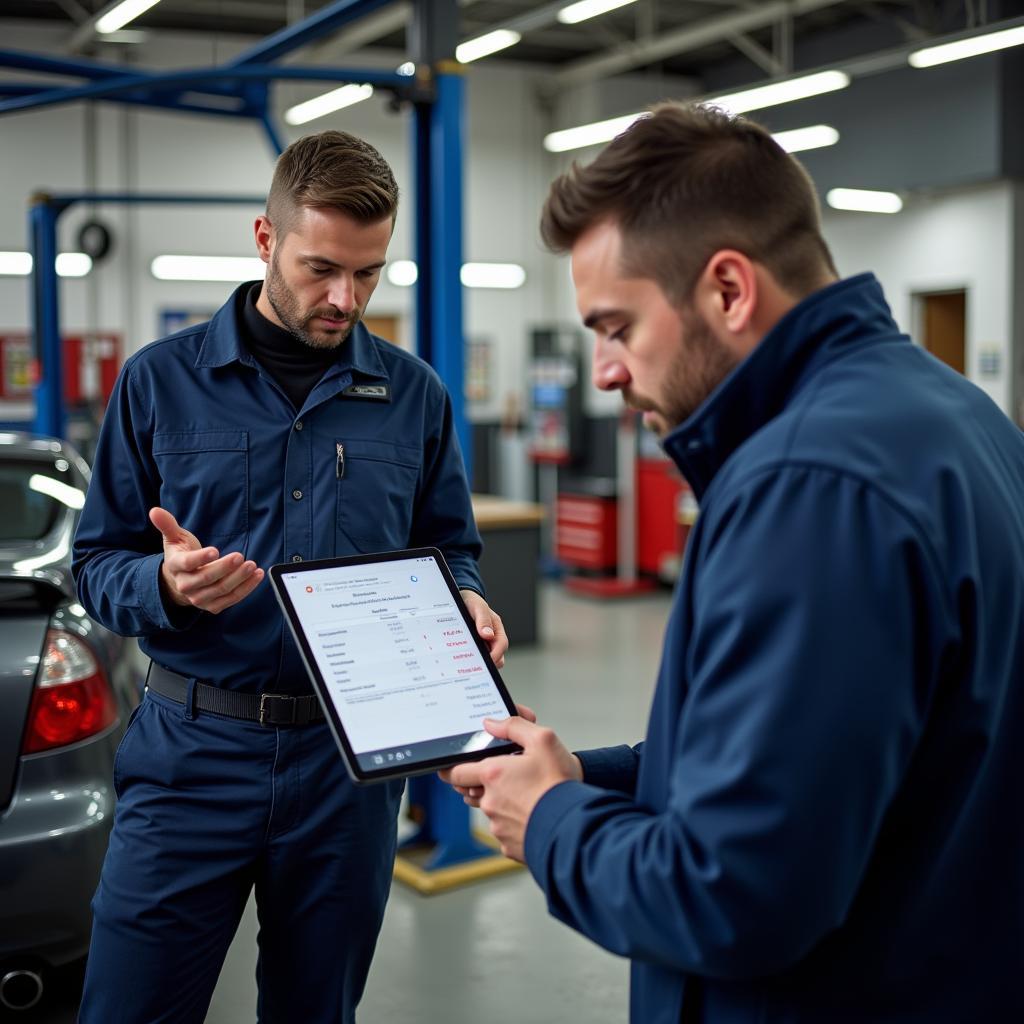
pixel 53 838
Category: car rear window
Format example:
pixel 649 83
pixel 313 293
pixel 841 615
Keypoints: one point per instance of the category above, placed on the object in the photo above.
pixel 33 493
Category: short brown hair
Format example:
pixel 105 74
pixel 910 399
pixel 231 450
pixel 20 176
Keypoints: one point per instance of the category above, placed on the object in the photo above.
pixel 685 182
pixel 331 169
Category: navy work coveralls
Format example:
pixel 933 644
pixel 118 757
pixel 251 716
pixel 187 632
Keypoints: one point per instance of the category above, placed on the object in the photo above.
pixel 825 822
pixel 210 806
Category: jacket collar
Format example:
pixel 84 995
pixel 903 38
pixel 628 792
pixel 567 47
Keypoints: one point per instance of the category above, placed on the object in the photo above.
pixel 816 330
pixel 222 343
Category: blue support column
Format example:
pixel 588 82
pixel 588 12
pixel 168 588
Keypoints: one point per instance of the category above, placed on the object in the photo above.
pixel 437 151
pixel 446 249
pixel 437 146
pixel 46 318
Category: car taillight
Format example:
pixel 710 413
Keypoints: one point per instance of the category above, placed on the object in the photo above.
pixel 72 698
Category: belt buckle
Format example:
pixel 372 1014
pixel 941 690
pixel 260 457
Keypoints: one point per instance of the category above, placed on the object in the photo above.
pixel 264 697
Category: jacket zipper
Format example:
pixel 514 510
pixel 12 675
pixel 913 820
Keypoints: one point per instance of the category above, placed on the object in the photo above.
pixel 339 465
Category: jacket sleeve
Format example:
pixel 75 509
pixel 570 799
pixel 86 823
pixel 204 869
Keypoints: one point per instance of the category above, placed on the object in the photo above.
pixel 611 767
pixel 444 513
pixel 117 552
pixel 818 618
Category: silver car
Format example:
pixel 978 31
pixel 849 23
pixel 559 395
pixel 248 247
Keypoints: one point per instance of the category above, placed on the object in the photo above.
pixel 66 688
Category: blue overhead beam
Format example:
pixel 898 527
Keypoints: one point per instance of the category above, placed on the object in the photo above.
pixel 288 39
pixel 163 81
pixel 93 70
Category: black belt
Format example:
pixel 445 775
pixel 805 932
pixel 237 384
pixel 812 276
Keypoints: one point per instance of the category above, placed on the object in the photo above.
pixel 265 708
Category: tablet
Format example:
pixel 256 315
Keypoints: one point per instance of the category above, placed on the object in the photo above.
pixel 404 680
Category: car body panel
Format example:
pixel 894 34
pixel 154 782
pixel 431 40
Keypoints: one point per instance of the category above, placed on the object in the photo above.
pixel 56 806
pixel 21 642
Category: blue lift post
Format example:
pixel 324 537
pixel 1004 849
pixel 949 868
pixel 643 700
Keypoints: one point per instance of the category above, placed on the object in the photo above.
pixel 437 96
pixel 456 854
pixel 44 213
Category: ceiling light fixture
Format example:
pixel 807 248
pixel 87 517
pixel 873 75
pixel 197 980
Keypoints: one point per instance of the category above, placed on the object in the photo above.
pixel 585 9
pixel 815 136
pixel 775 93
pixel 589 134
pixel 319 106
pixel 15 264
pixel 863 200
pixel 207 268
pixel 119 15
pixel 771 95
pixel 73 264
pixel 959 49
pixel 492 275
pixel 68 264
pixel 484 46
pixel 402 273
pixel 473 275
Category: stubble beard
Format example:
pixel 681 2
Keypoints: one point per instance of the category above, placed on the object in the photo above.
pixel 284 303
pixel 700 364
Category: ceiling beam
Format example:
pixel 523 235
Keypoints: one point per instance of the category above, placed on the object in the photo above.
pixel 692 37
pixel 762 57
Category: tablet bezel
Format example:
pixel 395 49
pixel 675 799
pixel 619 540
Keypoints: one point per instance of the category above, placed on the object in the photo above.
pixel 395 770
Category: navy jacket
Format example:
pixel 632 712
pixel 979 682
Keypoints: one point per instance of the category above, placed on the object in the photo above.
pixel 197 426
pixel 826 821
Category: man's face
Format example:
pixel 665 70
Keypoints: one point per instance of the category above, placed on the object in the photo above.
pixel 321 274
pixel 664 360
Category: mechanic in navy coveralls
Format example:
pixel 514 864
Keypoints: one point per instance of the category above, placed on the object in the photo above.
pixel 826 820
pixel 282 430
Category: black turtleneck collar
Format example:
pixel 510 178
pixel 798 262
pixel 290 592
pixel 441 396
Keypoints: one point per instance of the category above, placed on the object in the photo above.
pixel 295 366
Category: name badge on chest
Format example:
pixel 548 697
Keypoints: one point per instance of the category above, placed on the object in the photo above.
pixel 370 392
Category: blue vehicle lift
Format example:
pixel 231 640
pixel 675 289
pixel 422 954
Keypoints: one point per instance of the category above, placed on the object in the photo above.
pixel 241 89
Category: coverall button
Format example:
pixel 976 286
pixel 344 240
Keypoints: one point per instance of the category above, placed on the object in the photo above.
pixel 298 424
pixel 296 558
pixel 296 494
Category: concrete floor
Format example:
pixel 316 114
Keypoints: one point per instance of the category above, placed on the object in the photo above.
pixel 490 951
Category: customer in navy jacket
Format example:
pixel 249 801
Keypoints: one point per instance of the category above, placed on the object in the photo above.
pixel 282 430
pixel 826 819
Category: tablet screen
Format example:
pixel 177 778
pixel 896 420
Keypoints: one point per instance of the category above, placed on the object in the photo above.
pixel 397 660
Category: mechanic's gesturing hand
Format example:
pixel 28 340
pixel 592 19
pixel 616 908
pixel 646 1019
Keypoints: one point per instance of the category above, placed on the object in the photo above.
pixel 197 576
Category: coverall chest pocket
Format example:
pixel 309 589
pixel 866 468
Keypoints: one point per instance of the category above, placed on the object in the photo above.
pixel 205 481
pixel 377 483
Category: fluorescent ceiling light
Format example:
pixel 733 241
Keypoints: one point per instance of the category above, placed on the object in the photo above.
pixel 864 200
pixel 68 264
pixel 483 46
pixel 929 56
pixel 402 273
pixel 15 264
pixel 794 141
pixel 473 275
pixel 73 264
pixel 207 268
pixel 589 134
pixel 73 497
pixel 492 275
pixel 585 9
pixel 119 16
pixel 774 93
pixel 336 99
pixel 770 95
pixel 128 36
pixel 815 136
